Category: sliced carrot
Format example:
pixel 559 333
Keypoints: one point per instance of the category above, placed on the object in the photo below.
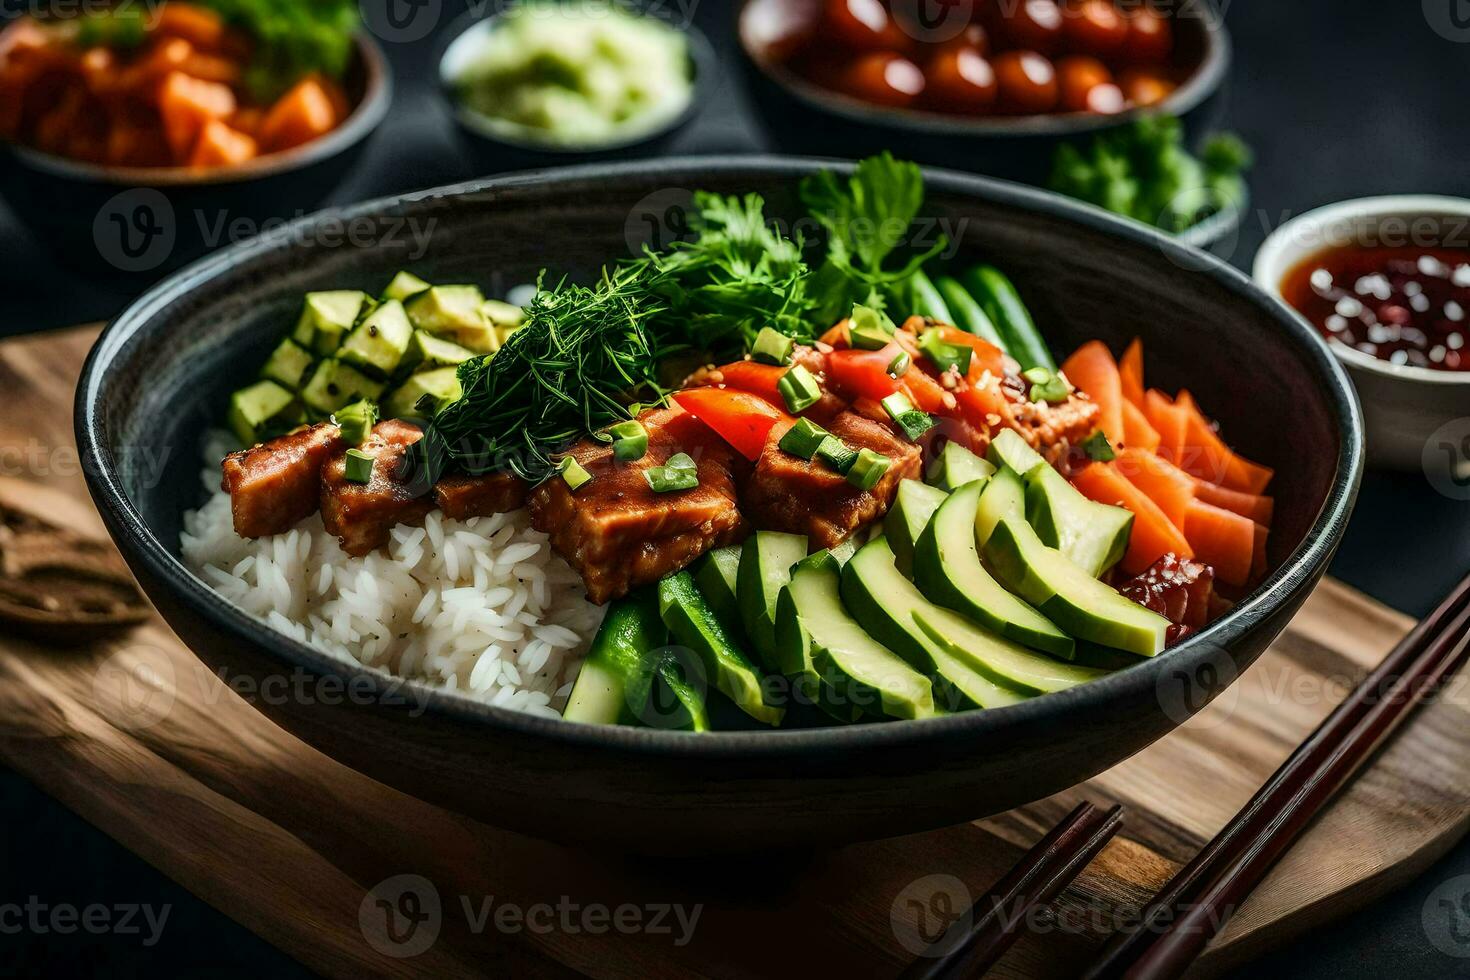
pixel 143 77
pixel 248 120
pixel 212 68
pixel 197 25
pixel 1225 541
pixel 300 116
pixel 1130 372
pixel 1207 457
pixel 1257 507
pixel 1164 483
pixel 983 406
pixel 1092 368
pixel 221 146
pixel 1168 421
pixel 836 335
pixel 1153 534
pixel 186 105
pixel 1137 433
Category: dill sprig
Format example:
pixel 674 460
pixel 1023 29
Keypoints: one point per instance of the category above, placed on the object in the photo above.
pixel 583 355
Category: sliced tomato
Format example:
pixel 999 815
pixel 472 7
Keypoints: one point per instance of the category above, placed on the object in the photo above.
pixel 986 356
pixel 739 417
pixel 756 378
pixel 864 373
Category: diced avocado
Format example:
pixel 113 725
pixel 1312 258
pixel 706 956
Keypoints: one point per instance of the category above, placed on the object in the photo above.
pixel 1009 449
pixel 716 573
pixel 618 680
pixel 948 572
pixel 912 509
pixel 692 622
pixel 404 285
pixel 1092 534
pixel 1004 496
pixel 454 312
pixel 440 385
pixel 506 316
pixel 379 341
pixel 334 385
pixel 884 603
pixel 1071 597
pixel 288 364
pixel 861 670
pixel 326 316
pixel 955 466
pixel 262 410
pixel 765 568
pixel 425 351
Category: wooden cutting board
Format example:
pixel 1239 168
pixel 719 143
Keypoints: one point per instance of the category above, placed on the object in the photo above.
pixel 140 739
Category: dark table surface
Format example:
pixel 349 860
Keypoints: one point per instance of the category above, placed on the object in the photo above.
pixel 1339 98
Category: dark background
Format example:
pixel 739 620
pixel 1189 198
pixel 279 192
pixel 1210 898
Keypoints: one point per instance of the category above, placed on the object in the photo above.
pixel 1339 98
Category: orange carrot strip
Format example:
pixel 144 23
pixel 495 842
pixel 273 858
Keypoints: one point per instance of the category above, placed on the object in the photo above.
pixel 1223 540
pixel 1207 457
pixel 1168 421
pixel 1153 535
pixel 1092 368
pixel 186 105
pixel 1257 507
pixel 221 146
pixel 1130 372
pixel 300 116
pixel 1164 483
pixel 1137 433
pixel 197 25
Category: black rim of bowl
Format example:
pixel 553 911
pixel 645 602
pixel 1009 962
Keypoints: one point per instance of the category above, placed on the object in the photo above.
pixel 1204 82
pixel 702 59
pixel 366 116
pixel 162 563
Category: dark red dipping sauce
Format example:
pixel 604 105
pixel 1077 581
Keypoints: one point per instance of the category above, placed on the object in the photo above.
pixel 1405 305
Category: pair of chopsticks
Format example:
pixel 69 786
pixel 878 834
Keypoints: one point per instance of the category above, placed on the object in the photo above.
pixel 1194 906
pixel 973 943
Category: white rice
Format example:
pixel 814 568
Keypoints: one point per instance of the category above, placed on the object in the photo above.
pixel 482 607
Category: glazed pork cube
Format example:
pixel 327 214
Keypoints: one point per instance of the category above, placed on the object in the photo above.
pixel 275 485
pixel 617 531
pixel 363 514
pixel 463 497
pixel 788 493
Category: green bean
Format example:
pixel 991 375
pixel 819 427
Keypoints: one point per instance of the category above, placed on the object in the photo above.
pixel 970 316
pixel 995 294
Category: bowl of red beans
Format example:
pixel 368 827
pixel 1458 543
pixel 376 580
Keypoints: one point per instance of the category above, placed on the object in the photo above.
pixel 991 86
pixel 1385 281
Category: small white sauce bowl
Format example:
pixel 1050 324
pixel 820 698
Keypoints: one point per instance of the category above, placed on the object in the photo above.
pixel 1417 418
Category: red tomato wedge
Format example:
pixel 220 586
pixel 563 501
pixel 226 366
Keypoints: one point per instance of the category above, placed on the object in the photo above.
pixel 1153 535
pixel 1092 368
pixel 1223 540
pixel 1207 457
pixel 756 378
pixel 739 417
pixel 1130 372
pixel 1137 433
pixel 1257 507
pixel 1163 482
pixel 863 373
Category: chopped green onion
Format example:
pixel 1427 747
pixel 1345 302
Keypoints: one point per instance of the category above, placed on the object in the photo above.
pixel 870 329
pixel 799 389
pixel 678 473
pixel 896 404
pixel 771 347
pixel 630 440
pixel 356 421
pixel 359 466
pixel 1097 448
pixel 944 354
pixel 914 424
pixel 867 469
pixel 573 473
pixel 837 454
pixel 1046 385
pixel 900 364
pixel 803 439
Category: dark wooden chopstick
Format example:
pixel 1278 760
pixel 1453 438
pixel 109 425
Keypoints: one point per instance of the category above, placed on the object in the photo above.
pixel 969 950
pixel 1194 905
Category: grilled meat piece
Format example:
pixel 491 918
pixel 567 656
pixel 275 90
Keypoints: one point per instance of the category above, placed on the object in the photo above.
pixel 276 484
pixel 463 497
pixel 1052 430
pixel 617 532
pixel 363 514
pixel 788 493
pixel 1179 589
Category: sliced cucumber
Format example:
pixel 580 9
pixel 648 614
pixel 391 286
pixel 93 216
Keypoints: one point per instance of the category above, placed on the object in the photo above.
pixel 1092 534
pixel 436 388
pixel 334 385
pixel 716 573
pixel 955 466
pixel 1009 449
pixel 765 568
pixel 404 285
pixel 692 622
pixel 326 317
pixel 288 364
pixel 912 509
pixel 378 342
pixel 425 352
pixel 262 410
pixel 455 312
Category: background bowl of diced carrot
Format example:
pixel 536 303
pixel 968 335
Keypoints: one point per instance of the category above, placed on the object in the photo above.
pixel 181 100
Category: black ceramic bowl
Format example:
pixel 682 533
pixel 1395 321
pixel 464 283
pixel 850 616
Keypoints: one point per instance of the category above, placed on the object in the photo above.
pixel 127 224
pixel 800 116
pixel 494 150
pixel 162 371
